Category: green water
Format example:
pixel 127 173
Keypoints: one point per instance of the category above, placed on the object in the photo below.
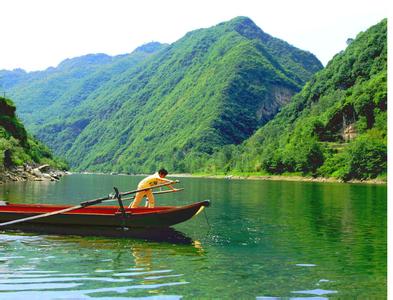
pixel 262 240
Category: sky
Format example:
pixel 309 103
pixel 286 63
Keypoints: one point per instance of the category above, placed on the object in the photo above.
pixel 37 34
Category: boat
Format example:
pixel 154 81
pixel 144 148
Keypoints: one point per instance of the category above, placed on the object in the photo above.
pixel 109 217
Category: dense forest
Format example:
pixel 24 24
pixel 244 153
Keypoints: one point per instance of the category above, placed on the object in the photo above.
pixel 16 146
pixel 335 127
pixel 162 104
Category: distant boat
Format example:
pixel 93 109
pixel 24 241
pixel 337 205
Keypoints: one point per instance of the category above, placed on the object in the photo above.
pixel 104 217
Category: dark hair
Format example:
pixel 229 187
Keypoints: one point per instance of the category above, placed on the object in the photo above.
pixel 163 171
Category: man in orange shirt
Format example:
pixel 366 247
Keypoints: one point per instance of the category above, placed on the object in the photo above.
pixel 150 181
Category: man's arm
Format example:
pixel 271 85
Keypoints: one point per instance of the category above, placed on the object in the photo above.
pixel 163 180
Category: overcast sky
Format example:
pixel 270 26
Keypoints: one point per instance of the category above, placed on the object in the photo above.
pixel 36 34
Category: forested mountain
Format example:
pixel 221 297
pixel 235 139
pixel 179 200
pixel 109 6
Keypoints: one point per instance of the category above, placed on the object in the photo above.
pixel 16 146
pixel 44 96
pixel 167 105
pixel 335 127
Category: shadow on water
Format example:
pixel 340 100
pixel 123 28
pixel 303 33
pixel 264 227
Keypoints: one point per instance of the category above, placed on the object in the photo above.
pixel 164 235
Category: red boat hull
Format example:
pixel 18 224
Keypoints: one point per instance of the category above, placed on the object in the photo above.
pixel 103 216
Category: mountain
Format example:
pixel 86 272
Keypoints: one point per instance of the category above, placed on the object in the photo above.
pixel 55 92
pixel 172 106
pixel 16 146
pixel 335 127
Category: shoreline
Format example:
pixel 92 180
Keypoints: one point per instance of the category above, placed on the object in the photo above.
pixel 31 173
pixel 278 178
pixel 296 178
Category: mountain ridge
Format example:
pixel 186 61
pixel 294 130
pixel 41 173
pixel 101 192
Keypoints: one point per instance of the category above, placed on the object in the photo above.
pixel 212 87
pixel 335 127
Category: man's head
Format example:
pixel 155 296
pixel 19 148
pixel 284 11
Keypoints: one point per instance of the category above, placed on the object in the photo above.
pixel 162 172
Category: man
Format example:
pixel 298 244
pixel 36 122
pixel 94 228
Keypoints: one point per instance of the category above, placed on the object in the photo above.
pixel 152 180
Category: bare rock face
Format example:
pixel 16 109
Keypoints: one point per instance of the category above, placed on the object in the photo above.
pixel 274 100
pixel 44 168
pixel 349 132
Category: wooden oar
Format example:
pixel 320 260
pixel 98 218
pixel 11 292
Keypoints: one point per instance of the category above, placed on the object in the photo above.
pixel 155 193
pixel 168 191
pixel 81 205
pixel 148 188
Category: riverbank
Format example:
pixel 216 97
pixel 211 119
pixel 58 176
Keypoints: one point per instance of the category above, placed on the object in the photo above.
pixel 277 178
pixel 30 173
pixel 252 176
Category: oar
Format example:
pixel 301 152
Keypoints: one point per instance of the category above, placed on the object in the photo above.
pixel 149 188
pixel 155 193
pixel 81 205
pixel 168 191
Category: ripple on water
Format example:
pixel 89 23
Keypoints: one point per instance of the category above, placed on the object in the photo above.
pixel 6 258
pixel 141 273
pixel 292 298
pixel 103 271
pixel 318 292
pixel 17 237
pixel 63 279
pixel 78 294
pixel 37 286
pixel 16 285
pixel 163 276
pixel 306 265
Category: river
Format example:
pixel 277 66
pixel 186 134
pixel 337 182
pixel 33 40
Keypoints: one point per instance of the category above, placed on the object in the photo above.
pixel 258 240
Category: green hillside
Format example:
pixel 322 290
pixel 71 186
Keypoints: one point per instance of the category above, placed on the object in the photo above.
pixel 335 127
pixel 45 96
pixel 173 107
pixel 16 146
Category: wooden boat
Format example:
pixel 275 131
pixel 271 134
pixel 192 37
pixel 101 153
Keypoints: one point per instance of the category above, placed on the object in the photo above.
pixel 101 216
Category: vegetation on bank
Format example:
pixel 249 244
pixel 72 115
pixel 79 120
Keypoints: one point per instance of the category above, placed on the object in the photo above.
pixel 381 179
pixel 335 127
pixel 16 146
